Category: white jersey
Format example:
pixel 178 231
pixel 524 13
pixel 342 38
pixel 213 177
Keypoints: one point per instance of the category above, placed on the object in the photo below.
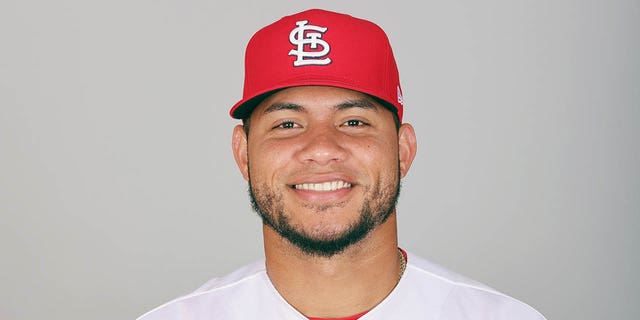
pixel 426 291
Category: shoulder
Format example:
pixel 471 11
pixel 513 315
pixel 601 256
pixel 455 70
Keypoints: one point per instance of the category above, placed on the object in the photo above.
pixel 463 298
pixel 214 294
pixel 237 277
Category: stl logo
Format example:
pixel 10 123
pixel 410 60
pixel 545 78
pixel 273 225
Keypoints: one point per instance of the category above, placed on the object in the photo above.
pixel 300 37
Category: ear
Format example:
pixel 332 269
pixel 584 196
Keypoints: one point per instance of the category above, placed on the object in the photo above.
pixel 239 145
pixel 407 147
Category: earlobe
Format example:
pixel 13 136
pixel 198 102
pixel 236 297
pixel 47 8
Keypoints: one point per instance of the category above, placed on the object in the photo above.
pixel 239 146
pixel 407 147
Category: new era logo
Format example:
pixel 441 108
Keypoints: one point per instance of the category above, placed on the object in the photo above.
pixel 311 49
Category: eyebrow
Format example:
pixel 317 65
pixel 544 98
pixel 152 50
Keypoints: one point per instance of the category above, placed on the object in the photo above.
pixel 358 103
pixel 284 106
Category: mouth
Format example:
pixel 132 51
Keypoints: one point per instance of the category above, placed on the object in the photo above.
pixel 323 186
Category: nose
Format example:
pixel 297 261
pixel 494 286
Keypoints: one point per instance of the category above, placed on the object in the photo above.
pixel 322 146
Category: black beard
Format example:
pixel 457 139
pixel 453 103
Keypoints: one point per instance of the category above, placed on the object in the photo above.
pixel 374 212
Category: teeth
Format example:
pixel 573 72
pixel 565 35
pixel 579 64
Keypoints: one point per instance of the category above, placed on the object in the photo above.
pixel 325 186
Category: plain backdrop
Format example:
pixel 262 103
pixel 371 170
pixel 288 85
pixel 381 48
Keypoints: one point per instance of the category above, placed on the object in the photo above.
pixel 118 189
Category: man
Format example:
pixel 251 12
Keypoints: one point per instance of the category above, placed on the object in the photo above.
pixel 323 147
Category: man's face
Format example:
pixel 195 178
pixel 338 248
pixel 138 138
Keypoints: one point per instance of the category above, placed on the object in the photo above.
pixel 323 165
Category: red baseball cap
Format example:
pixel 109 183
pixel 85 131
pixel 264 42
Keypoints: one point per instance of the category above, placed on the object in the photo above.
pixel 319 47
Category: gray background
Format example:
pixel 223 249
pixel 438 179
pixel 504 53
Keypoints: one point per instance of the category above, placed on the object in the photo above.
pixel 118 190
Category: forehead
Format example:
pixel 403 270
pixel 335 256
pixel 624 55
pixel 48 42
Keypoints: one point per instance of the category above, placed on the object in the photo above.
pixel 309 98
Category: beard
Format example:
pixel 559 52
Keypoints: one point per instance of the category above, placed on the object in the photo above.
pixel 379 203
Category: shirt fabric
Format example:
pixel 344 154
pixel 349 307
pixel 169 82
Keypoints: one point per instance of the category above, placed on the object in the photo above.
pixel 425 291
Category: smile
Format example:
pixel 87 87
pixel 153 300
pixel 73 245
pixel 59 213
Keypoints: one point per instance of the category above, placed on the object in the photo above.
pixel 324 186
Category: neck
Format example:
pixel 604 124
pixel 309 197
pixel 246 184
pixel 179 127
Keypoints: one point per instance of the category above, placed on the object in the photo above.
pixel 345 284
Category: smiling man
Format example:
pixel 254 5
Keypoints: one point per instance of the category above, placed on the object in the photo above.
pixel 323 165
pixel 323 148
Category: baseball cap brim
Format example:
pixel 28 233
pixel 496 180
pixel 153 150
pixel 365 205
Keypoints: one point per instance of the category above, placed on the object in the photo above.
pixel 243 108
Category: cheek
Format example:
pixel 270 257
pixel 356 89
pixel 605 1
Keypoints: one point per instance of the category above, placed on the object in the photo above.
pixel 380 161
pixel 267 159
pixel 380 153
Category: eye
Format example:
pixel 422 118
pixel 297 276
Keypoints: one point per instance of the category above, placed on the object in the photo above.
pixel 354 123
pixel 287 124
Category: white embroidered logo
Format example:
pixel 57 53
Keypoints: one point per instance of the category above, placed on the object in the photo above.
pixel 400 99
pixel 301 38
